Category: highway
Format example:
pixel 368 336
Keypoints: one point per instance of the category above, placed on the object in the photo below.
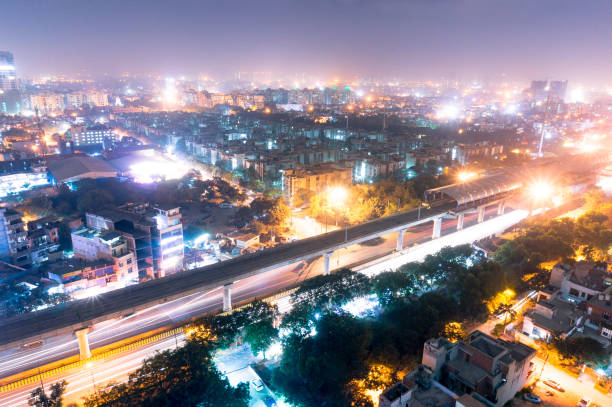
pixel 66 318
pixel 18 359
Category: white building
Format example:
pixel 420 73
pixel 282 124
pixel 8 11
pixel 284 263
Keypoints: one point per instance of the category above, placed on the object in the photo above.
pixel 91 245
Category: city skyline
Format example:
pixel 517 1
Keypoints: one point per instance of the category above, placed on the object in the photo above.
pixel 345 39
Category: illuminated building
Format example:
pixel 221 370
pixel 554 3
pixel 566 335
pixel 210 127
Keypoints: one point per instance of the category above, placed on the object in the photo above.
pixel 96 135
pixel 168 246
pixel 78 99
pixel 43 239
pixel 93 244
pixel 47 103
pixel 14 238
pixel 8 76
pixel 10 98
pixel 153 233
pixel 314 179
pixel 80 278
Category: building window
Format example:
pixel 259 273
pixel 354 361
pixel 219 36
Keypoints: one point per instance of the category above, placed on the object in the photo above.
pixel 129 261
pixel 605 316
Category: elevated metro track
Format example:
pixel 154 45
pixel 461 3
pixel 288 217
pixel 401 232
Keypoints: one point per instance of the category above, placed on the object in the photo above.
pixel 73 316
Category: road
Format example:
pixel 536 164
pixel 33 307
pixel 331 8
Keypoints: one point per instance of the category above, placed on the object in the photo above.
pixel 17 360
pixel 66 318
pixel 574 389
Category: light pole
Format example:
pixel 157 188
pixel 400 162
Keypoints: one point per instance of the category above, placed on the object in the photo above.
pixel 89 366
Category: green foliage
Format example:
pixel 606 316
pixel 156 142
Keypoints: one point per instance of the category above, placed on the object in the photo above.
pixel 53 399
pixel 260 335
pixel 225 328
pixel 182 377
pixel 18 299
pixel 581 350
pixel 315 370
pixel 334 289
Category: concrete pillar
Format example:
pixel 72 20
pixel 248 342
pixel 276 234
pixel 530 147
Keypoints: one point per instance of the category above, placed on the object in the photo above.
pixel 83 340
pixel 500 208
pixel 460 218
pixel 481 214
pixel 326 257
pixel 400 240
pixel 437 228
pixel 227 297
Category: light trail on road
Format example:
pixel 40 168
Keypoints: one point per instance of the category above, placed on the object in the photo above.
pixel 181 310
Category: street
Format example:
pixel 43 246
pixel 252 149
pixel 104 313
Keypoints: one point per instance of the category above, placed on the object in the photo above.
pixel 17 360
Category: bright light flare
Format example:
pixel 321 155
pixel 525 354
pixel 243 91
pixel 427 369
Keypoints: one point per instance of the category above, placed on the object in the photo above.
pixel 149 171
pixel 448 112
pixel 464 176
pixel 337 196
pixel 541 191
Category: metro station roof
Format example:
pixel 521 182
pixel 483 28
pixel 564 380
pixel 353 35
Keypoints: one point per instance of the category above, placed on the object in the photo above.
pixel 480 188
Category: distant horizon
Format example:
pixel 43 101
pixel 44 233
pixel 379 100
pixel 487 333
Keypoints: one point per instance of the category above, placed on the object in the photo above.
pixel 412 40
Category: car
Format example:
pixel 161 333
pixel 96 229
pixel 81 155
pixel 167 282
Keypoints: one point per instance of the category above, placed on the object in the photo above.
pixel 531 398
pixel 554 385
pixel 257 384
pixel 269 402
pixel 584 403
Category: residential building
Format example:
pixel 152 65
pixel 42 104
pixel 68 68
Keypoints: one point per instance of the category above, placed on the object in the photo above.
pixel 582 281
pixel 492 370
pixel 43 239
pixel 153 233
pixel 315 179
pixel 98 244
pixel 80 278
pixel 599 313
pixel 14 238
pixel 419 389
pixel 551 316
pixel 47 103
pixel 94 135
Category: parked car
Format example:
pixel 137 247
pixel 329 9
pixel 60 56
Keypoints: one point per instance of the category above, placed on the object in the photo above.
pixel 531 398
pixel 269 402
pixel 257 384
pixel 554 385
pixel 584 403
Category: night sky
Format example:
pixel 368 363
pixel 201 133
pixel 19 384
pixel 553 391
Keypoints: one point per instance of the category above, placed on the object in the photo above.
pixel 411 39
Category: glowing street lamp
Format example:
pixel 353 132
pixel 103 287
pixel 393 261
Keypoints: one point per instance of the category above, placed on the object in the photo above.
pixel 464 176
pixel 337 196
pixel 541 191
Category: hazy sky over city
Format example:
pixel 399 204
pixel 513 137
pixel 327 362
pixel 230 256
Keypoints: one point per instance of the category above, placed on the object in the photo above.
pixel 382 38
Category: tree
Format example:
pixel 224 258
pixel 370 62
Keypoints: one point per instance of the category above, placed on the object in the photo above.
pixel 185 376
pixel 391 285
pixel 581 350
pixel 18 299
pixel 54 399
pixel 260 335
pixel 453 331
pixel 316 370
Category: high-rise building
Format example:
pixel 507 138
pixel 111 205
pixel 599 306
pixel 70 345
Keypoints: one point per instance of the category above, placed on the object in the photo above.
pixel 8 77
pixel 10 99
pixel 558 89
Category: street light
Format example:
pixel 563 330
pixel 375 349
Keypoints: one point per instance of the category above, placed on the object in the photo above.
pixel 464 176
pixel 541 191
pixel 89 366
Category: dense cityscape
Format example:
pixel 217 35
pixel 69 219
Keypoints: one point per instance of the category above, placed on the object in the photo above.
pixel 266 235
